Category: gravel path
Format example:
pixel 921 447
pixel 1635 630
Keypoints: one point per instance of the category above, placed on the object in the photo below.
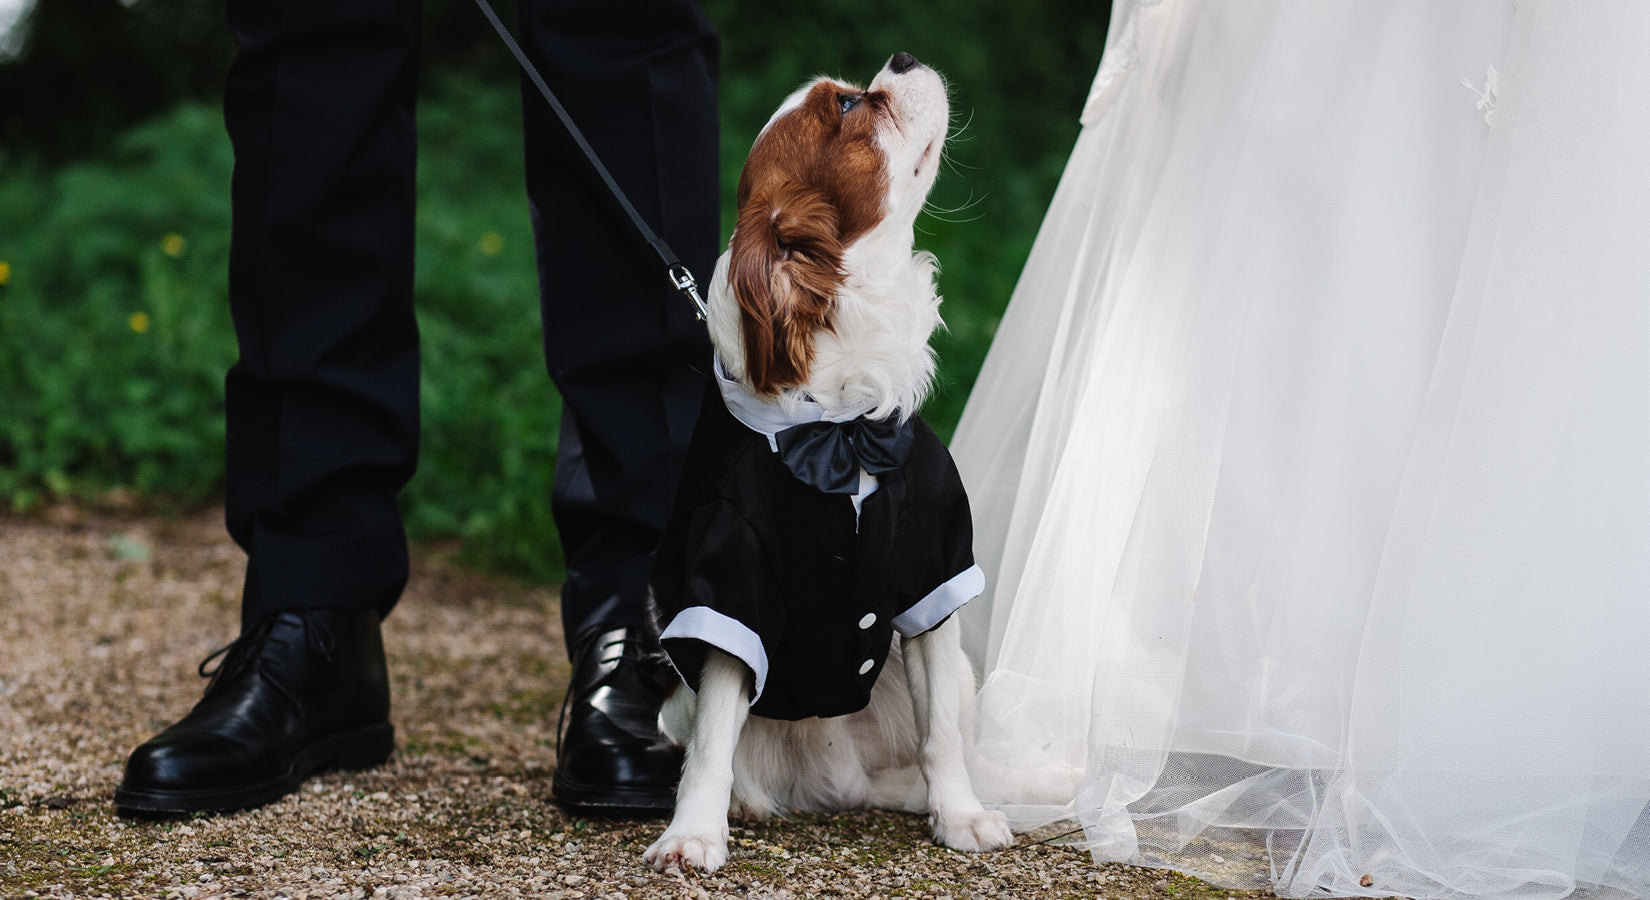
pixel 103 618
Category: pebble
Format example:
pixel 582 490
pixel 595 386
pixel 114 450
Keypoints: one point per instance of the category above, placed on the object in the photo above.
pixel 477 668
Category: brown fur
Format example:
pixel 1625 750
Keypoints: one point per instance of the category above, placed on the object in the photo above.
pixel 807 192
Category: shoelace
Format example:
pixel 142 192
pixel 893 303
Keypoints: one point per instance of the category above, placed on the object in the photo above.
pixel 246 650
pixel 630 637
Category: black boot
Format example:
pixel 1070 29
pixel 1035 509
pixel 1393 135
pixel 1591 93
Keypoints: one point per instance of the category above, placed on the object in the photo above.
pixel 612 760
pixel 298 692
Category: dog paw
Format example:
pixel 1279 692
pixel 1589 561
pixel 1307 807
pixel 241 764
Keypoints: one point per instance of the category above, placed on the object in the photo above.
pixel 703 853
pixel 973 832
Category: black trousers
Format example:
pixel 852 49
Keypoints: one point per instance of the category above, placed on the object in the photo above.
pixel 322 405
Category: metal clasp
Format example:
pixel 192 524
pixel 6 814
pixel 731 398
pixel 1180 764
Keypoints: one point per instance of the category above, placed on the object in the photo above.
pixel 683 281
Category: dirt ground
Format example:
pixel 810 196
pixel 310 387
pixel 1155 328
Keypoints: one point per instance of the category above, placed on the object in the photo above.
pixel 104 617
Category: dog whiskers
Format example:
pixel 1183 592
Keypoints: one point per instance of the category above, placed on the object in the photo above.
pixel 943 213
pixel 957 167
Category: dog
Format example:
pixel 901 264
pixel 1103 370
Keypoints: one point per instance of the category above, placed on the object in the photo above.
pixel 818 515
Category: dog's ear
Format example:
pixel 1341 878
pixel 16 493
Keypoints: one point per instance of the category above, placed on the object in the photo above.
pixel 785 267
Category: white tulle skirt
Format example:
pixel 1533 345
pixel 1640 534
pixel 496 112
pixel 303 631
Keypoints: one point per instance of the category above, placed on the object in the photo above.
pixel 1312 457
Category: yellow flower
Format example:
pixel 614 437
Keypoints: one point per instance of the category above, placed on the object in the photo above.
pixel 139 321
pixel 492 243
pixel 173 245
pixel 5 272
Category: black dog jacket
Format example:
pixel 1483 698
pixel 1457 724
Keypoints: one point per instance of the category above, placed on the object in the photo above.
pixel 806 583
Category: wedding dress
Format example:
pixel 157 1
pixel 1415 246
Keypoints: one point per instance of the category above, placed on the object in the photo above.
pixel 1311 461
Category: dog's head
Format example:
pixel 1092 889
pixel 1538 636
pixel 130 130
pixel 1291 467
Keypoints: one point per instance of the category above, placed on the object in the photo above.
pixel 819 289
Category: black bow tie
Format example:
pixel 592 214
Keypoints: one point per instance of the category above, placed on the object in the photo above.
pixel 829 455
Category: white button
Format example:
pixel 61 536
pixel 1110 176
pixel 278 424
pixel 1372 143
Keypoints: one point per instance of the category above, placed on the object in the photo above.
pixel 867 666
pixel 869 620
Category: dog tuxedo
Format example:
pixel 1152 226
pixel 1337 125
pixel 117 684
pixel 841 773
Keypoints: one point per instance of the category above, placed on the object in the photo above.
pixel 812 520
pixel 799 546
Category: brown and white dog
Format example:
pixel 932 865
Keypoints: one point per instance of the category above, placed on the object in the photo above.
pixel 821 298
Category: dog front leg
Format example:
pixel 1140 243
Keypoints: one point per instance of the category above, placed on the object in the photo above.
pixel 698 833
pixel 935 669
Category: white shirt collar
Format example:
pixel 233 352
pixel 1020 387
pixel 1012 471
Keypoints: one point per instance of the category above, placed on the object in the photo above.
pixel 769 416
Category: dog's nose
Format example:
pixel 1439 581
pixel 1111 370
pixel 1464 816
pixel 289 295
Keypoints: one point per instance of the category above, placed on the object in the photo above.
pixel 902 62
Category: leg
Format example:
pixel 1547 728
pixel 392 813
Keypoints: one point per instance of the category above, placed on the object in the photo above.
pixel 622 346
pixel 698 834
pixel 321 407
pixel 936 669
pixel 624 351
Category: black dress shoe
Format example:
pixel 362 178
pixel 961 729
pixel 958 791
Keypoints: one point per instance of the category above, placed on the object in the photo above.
pixel 612 760
pixel 299 692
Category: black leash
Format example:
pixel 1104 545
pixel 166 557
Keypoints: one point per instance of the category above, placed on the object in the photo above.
pixel 680 278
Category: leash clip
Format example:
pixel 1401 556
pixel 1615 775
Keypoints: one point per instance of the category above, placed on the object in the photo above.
pixel 683 281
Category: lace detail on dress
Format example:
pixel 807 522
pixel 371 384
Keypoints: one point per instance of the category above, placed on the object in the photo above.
pixel 1121 56
pixel 1490 97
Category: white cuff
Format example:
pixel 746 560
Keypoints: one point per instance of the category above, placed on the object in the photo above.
pixel 729 635
pixel 940 602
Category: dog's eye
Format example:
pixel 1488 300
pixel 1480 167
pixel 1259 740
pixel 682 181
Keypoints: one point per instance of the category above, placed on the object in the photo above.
pixel 848 101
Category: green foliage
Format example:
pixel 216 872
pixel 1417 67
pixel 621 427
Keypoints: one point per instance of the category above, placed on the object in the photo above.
pixel 115 333
pixel 114 336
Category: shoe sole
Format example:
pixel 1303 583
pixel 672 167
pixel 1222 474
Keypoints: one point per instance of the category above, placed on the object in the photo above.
pixel 360 749
pixel 612 802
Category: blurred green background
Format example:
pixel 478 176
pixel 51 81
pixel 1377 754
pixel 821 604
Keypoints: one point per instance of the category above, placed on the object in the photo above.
pixel 114 235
